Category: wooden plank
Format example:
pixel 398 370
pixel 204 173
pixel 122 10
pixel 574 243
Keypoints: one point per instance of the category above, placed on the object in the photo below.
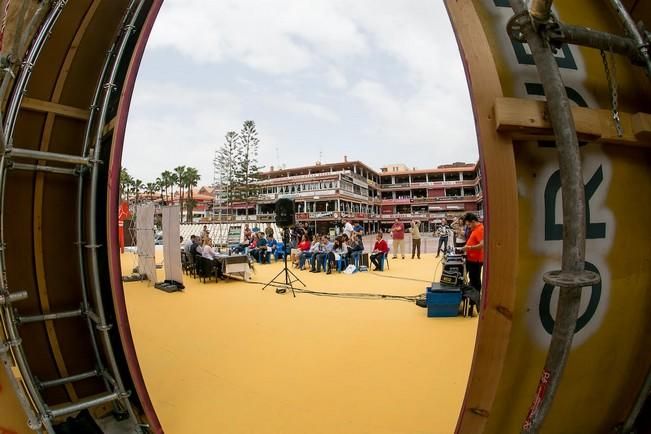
pixel 109 127
pixel 526 119
pixel 55 108
pixel 501 212
pixel 641 124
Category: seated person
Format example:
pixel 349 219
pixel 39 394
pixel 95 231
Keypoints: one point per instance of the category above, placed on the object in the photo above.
pixel 207 250
pixel 188 244
pixel 272 244
pixel 339 250
pixel 325 247
pixel 356 246
pixel 379 249
pixel 358 229
pixel 304 248
pixel 248 235
pixel 259 249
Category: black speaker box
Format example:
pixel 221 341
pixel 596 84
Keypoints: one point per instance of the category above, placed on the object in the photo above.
pixel 285 212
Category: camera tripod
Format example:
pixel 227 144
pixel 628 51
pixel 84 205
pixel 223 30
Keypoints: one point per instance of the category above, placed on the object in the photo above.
pixel 290 277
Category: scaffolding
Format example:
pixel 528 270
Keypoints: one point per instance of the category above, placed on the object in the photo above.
pixel 86 168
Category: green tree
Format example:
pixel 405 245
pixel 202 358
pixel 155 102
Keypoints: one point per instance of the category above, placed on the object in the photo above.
pixel 174 179
pixel 160 187
pixel 180 181
pixel 166 181
pixel 151 188
pixel 190 204
pixel 248 171
pixel 226 167
pixel 137 187
pixel 192 179
pixel 126 182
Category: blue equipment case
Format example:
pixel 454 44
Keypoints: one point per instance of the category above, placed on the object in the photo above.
pixel 442 301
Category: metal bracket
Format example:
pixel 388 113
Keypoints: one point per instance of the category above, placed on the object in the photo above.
pixel 569 279
pixel 104 328
pixel 8 297
pixel 550 29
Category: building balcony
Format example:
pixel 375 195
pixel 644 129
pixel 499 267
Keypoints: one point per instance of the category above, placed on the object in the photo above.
pixel 406 201
pixel 430 184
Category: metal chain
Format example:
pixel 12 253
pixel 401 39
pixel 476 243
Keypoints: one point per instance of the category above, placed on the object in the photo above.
pixel 612 85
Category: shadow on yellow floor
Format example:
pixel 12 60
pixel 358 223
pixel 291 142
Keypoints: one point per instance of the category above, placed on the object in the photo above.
pixel 228 357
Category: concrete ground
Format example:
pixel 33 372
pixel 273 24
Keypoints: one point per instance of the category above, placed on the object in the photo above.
pixel 228 357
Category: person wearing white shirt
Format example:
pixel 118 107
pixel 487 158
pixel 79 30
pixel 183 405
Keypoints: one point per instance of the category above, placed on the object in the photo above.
pixel 348 228
pixel 207 251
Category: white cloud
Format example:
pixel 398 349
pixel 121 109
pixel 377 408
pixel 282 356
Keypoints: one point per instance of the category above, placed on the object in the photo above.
pixel 378 80
pixel 336 78
pixel 171 126
pixel 292 104
pixel 272 36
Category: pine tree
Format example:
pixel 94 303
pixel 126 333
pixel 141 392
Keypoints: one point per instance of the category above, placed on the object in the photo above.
pixel 226 166
pixel 248 172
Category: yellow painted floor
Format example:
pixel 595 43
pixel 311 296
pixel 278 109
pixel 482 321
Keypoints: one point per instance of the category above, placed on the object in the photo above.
pixel 228 357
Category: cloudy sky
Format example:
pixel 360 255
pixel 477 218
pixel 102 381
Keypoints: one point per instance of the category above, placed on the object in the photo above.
pixel 376 80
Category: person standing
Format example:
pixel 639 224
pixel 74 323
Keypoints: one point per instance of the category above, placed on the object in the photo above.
pixel 205 234
pixel 443 233
pixel 348 228
pixel 415 238
pixel 474 249
pixel 269 232
pixel 398 235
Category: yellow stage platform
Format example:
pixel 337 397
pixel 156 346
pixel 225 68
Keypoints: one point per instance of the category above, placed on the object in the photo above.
pixel 228 357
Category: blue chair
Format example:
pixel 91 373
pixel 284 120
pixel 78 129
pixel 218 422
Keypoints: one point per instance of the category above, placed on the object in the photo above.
pixel 280 251
pixel 384 259
pixel 303 257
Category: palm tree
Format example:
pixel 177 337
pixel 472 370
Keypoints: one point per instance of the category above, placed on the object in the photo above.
pixel 125 183
pixel 192 178
pixel 151 188
pixel 189 205
pixel 137 186
pixel 166 182
pixel 180 179
pixel 174 179
pixel 160 187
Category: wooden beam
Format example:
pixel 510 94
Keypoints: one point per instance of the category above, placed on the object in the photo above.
pixel 67 111
pixel 641 123
pixel 109 127
pixel 526 119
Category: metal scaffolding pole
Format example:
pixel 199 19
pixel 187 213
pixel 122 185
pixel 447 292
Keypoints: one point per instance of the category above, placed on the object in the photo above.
pixel 45 156
pixel 634 33
pixel 102 326
pixel 573 276
pixel 33 402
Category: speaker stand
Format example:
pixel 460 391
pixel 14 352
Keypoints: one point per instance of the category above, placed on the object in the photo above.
pixel 290 277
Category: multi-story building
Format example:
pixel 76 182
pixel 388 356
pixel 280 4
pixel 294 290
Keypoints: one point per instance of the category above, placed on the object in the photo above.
pixel 325 194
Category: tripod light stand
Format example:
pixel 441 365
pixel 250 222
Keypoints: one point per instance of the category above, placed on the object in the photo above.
pixel 290 277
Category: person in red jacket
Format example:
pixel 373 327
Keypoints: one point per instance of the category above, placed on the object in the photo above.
pixel 380 248
pixel 474 249
pixel 398 235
